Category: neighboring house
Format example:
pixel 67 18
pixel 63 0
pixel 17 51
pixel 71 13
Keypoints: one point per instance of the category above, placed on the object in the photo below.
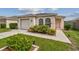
pixel 52 20
pixel 13 19
pixel 26 21
pixel 76 24
pixel 70 22
pixel 8 20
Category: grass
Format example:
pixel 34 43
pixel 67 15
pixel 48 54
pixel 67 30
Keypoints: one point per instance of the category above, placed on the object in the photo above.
pixel 44 44
pixel 3 43
pixel 74 37
pixel 4 30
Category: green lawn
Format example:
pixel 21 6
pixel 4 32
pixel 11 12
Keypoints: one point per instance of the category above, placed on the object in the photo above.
pixel 44 44
pixel 74 37
pixel 4 30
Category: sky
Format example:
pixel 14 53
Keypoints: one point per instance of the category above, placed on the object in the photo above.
pixel 69 13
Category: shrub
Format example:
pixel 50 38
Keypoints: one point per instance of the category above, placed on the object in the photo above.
pixel 30 29
pixel 2 25
pixel 38 28
pixel 51 31
pixel 13 25
pixel 42 29
pixel 67 26
pixel 19 44
pixel 35 28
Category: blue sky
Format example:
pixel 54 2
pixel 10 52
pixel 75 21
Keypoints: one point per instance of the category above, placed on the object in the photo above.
pixel 70 13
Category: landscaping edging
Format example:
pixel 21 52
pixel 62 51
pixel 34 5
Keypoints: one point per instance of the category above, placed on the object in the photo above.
pixel 3 48
pixel 35 48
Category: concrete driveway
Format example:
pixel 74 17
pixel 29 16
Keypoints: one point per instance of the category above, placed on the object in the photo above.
pixel 60 36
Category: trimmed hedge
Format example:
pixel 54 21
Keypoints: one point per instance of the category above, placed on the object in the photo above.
pixel 42 29
pixel 2 25
pixel 13 25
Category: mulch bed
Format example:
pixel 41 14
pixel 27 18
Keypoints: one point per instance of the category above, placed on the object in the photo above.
pixel 7 49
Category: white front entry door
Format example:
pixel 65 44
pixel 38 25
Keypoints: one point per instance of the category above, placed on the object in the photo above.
pixel 25 24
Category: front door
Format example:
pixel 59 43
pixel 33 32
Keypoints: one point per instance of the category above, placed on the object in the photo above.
pixel 58 23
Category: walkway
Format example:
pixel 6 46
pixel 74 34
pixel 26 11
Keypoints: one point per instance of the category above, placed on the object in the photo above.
pixel 59 35
pixel 7 34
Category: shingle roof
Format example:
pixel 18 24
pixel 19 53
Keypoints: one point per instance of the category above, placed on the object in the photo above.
pixel 40 14
pixel 13 17
pixel 2 17
pixel 31 15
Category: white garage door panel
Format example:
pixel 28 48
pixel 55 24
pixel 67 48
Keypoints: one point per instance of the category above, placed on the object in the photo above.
pixel 25 24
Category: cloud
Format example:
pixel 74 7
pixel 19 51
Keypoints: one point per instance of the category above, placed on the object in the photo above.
pixel 36 10
pixel 31 10
pixel 73 14
pixel 54 9
pixel 77 12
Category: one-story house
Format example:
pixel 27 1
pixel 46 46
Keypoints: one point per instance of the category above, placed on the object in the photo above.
pixel 52 20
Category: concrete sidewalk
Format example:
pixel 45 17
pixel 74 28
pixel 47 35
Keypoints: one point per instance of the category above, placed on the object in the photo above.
pixel 60 36
pixel 7 34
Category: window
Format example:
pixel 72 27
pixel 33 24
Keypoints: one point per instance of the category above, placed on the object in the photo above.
pixel 40 21
pixel 48 22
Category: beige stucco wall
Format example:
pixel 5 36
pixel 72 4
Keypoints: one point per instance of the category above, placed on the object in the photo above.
pixel 62 23
pixel 52 21
pixel 10 21
pixel 32 21
pixel 35 21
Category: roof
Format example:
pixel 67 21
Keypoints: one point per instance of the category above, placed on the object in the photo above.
pixel 58 16
pixel 40 14
pixel 32 15
pixel 8 18
pixel 13 17
pixel 2 17
pixel 74 20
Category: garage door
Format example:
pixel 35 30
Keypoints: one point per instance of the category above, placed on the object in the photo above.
pixel 25 24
